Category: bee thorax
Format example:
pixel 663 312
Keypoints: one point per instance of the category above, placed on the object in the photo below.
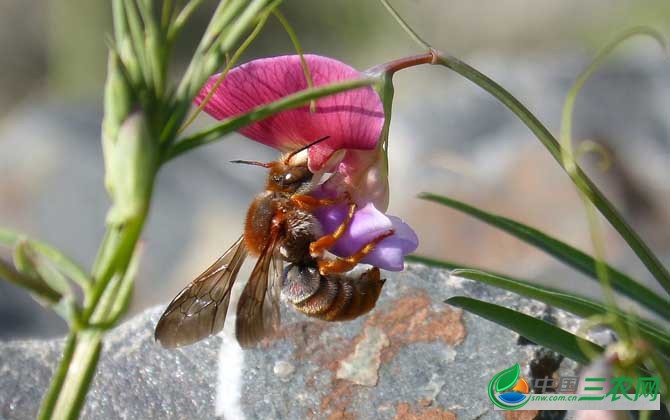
pixel 301 229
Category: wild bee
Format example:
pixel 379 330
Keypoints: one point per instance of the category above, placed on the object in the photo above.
pixel 279 227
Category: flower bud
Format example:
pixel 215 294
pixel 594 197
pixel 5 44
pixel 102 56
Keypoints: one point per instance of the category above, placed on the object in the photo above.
pixel 132 162
pixel 118 97
pixel 118 103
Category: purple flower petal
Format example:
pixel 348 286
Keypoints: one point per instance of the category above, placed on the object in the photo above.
pixel 369 223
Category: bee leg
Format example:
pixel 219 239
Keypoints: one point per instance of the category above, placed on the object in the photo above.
pixel 342 265
pixel 326 242
pixel 309 203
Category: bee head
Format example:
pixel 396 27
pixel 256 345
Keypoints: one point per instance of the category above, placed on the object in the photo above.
pixel 289 174
pixel 288 177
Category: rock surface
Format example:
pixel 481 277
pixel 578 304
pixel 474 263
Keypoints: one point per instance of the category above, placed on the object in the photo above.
pixel 411 357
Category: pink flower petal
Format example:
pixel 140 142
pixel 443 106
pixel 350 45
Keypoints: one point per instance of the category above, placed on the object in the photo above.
pixel 363 175
pixel 352 119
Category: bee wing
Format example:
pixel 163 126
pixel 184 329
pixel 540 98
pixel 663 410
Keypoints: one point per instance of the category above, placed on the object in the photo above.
pixel 272 299
pixel 252 323
pixel 200 309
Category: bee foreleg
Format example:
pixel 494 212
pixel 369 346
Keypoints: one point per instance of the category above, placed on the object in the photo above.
pixel 341 265
pixel 318 247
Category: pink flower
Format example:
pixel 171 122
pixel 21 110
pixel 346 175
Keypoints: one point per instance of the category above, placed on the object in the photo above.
pixel 354 121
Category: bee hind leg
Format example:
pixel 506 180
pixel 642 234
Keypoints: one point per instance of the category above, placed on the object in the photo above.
pixel 342 265
pixel 318 247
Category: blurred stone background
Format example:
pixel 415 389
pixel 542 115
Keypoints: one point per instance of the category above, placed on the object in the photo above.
pixel 447 136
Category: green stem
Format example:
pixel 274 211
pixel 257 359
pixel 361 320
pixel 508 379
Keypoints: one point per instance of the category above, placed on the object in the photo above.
pixel 412 34
pixel 570 163
pixel 80 371
pixel 569 105
pixel 144 47
pixel 70 390
pixel 298 49
pixel 581 180
pixel 181 19
pixel 122 248
pixel 166 14
pixel 49 402
pixel 234 123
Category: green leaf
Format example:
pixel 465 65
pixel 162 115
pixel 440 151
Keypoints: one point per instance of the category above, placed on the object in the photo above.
pixel 59 260
pixel 44 282
pixel 24 261
pixel 507 378
pixel 563 252
pixel 578 305
pixel 31 265
pixel 34 285
pixel 433 262
pixel 538 331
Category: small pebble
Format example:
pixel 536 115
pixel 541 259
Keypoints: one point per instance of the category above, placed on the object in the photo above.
pixel 283 370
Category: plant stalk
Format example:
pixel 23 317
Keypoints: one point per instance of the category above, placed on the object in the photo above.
pixel 583 182
pixel 580 179
pixel 80 372
pixel 72 379
pixel 51 396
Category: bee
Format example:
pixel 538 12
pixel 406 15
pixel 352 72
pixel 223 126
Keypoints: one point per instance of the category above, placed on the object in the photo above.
pixel 280 227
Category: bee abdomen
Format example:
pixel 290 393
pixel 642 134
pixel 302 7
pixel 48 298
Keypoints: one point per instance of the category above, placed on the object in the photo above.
pixel 322 300
pixel 337 298
pixel 361 298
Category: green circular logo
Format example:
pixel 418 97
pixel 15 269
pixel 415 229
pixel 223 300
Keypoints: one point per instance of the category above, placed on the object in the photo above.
pixel 507 390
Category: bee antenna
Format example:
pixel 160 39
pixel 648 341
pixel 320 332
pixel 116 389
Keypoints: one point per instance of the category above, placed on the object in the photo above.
pixel 252 162
pixel 295 152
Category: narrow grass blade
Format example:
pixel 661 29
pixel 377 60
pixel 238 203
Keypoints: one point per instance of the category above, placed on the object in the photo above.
pixel 538 331
pixel 578 305
pixel 563 252
pixel 433 262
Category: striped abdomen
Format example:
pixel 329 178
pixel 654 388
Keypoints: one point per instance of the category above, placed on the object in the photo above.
pixel 333 297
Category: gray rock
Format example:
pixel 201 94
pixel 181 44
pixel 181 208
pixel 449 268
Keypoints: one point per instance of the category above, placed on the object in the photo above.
pixel 411 356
